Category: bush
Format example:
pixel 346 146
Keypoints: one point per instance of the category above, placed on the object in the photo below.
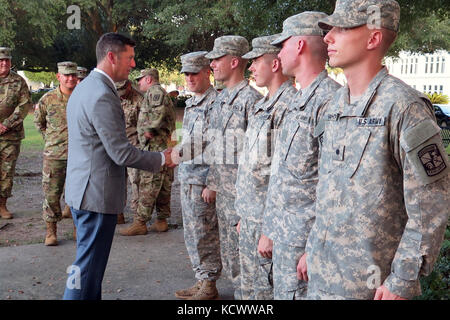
pixel 437 285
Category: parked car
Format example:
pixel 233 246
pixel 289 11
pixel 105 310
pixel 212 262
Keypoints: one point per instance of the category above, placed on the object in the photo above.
pixel 442 113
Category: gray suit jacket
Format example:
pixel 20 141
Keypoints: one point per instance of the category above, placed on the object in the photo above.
pixel 99 150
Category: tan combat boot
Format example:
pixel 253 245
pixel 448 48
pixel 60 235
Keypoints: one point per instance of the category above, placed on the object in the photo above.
pixel 120 218
pixel 207 291
pixel 50 237
pixel 187 293
pixel 67 214
pixel 137 228
pixel 160 225
pixel 4 213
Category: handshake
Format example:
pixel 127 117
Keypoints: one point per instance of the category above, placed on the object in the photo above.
pixel 172 157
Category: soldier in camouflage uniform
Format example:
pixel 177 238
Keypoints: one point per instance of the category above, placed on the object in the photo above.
pixel 156 124
pixel 81 73
pixel 382 196
pixel 15 102
pixel 291 193
pixel 289 209
pixel 131 100
pixel 50 120
pixel 229 118
pixel 254 168
pixel 201 230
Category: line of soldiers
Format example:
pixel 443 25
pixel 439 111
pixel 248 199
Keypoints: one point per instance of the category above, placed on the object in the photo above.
pixel 327 192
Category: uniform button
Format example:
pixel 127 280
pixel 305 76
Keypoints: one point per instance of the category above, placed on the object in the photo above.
pixel 337 151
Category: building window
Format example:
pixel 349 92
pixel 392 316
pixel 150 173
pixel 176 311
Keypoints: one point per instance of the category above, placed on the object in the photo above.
pixel 426 65
pixel 417 62
pixel 443 65
pixel 437 64
pixel 431 64
pixel 424 88
pixel 429 89
pixel 441 89
pixel 435 88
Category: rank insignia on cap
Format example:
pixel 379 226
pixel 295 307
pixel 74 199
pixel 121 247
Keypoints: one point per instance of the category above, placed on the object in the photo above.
pixel 156 97
pixel 432 160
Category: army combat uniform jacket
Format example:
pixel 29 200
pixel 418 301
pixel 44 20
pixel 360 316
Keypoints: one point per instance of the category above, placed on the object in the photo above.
pixel 156 116
pixel 15 102
pixel 383 193
pixel 195 123
pixel 51 121
pixel 131 104
pixel 254 165
pixel 226 132
pixel 289 212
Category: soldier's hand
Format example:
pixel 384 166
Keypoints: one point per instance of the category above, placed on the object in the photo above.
pixel 168 155
pixel 148 135
pixel 383 293
pixel 209 196
pixel 176 158
pixel 238 227
pixel 3 129
pixel 265 247
pixel 302 269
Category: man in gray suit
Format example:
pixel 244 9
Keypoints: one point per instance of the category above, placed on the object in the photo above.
pixel 99 153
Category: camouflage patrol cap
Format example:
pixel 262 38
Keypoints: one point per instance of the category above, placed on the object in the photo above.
pixel 121 87
pixel 194 62
pixel 261 46
pixel 5 53
pixel 67 67
pixel 229 45
pixel 81 72
pixel 355 13
pixel 302 24
pixel 148 72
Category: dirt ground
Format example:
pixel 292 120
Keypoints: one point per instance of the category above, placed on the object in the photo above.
pixel 28 227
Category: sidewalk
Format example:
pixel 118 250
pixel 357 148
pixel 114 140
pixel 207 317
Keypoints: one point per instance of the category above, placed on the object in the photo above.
pixel 150 267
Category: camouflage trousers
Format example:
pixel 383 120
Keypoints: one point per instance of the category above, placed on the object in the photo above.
pixel 133 177
pixel 154 191
pixel 229 241
pixel 201 233
pixel 286 286
pixel 256 277
pixel 53 179
pixel 9 152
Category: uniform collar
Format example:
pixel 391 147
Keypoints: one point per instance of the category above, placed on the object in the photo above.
pixel 307 94
pixel 232 94
pixel 266 103
pixel 361 106
pixel 198 100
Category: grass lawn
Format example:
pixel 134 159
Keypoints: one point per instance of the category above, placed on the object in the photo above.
pixel 33 140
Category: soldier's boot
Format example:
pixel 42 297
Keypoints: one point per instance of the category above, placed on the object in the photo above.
pixel 50 237
pixel 4 213
pixel 189 292
pixel 137 228
pixel 208 291
pixel 66 214
pixel 120 218
pixel 160 225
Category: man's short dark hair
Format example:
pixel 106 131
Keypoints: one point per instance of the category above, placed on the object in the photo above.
pixel 113 42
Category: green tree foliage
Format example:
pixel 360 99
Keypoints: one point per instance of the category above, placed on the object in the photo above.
pixel 45 77
pixel 164 30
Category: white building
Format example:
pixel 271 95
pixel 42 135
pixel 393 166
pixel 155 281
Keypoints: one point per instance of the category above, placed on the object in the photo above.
pixel 428 73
